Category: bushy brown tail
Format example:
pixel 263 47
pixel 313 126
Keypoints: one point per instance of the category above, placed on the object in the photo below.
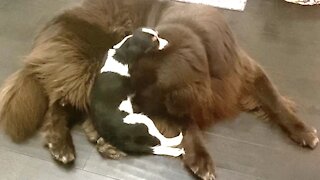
pixel 23 104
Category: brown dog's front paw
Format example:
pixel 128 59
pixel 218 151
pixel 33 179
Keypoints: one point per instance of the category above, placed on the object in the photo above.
pixel 201 165
pixel 306 137
pixel 108 151
pixel 62 152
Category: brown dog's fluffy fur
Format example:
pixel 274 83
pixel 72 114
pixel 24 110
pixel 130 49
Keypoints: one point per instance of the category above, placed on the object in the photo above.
pixel 202 77
pixel 21 117
pixel 59 71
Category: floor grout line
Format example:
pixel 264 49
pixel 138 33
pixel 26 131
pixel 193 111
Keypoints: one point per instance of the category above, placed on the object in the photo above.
pixel 101 174
pixel 238 172
pixel 242 141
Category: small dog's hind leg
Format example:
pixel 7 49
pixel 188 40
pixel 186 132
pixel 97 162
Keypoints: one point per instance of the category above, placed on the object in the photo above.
pixel 105 149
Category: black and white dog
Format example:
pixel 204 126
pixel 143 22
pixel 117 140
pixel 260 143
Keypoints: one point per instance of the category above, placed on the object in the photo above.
pixel 111 108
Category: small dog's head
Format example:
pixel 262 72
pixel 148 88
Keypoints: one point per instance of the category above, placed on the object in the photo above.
pixel 142 41
pixel 152 36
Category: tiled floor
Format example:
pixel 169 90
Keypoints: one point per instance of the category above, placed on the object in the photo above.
pixel 283 37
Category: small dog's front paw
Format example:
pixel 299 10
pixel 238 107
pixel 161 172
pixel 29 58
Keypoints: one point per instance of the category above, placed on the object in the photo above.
pixel 108 151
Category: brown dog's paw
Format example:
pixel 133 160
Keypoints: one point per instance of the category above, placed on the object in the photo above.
pixel 108 151
pixel 306 137
pixel 201 165
pixel 62 152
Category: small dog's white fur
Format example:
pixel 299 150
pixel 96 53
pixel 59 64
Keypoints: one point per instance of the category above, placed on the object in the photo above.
pixel 150 31
pixel 117 46
pixel 134 118
pixel 112 65
pixel 162 43
pixel 126 106
pixel 166 144
pixel 169 151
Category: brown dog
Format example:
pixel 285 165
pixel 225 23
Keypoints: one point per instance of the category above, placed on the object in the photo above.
pixel 203 77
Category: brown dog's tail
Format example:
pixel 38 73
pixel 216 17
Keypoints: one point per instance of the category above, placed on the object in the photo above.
pixel 23 104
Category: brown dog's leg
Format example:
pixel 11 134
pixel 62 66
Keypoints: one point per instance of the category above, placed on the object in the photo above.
pixel 57 134
pixel 280 111
pixel 192 105
pixel 104 148
pixel 196 157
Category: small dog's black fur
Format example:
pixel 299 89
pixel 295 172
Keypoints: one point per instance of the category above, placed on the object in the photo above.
pixel 110 89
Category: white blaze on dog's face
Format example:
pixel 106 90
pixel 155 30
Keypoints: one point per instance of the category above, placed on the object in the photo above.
pixel 162 42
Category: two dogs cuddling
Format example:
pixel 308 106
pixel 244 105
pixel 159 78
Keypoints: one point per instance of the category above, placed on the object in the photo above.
pixel 111 106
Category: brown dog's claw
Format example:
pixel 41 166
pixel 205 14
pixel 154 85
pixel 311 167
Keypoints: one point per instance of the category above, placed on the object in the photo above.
pixel 306 137
pixel 63 153
pixel 201 165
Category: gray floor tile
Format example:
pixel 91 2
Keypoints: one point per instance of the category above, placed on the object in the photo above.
pixel 14 166
pixel 285 163
pixel 34 148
